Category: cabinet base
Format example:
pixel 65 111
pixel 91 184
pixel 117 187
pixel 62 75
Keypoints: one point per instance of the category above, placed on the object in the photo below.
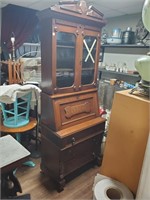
pixel 60 184
pixel 65 157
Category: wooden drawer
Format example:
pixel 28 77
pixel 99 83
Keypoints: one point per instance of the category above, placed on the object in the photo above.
pixel 61 162
pixel 82 148
pixel 80 154
pixel 82 135
pixel 75 134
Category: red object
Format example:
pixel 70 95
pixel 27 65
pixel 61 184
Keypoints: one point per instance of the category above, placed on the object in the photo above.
pixel 102 111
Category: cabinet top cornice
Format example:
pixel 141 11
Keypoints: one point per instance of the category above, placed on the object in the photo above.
pixel 76 9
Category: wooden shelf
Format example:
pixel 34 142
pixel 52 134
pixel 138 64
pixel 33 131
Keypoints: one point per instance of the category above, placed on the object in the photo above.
pixel 124 46
pixel 107 74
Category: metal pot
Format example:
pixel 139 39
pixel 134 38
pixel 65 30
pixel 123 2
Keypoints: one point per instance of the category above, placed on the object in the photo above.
pixel 128 36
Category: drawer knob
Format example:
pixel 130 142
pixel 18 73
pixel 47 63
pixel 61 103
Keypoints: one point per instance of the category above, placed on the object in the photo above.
pixel 73 141
pixel 94 155
pixel 94 140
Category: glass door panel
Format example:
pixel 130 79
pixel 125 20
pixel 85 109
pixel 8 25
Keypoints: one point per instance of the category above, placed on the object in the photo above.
pixel 65 65
pixel 88 61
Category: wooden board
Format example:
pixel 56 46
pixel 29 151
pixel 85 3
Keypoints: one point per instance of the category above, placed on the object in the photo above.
pixel 127 139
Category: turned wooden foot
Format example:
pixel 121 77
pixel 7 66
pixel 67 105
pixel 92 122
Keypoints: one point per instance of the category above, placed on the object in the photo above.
pixel 61 185
pixel 98 161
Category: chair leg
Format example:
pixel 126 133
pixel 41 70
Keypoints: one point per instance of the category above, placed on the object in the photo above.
pixel 14 171
pixel 27 163
pixel 18 137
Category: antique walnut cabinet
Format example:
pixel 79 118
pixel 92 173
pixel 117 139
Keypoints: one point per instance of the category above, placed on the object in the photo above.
pixel 71 127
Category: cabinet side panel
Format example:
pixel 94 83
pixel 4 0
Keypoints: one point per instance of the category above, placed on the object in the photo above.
pixel 47 111
pixel 50 162
pixel 46 55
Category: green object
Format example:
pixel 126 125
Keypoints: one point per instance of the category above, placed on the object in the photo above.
pixel 146 14
pixel 142 65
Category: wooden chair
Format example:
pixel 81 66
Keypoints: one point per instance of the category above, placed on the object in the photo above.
pixel 15 71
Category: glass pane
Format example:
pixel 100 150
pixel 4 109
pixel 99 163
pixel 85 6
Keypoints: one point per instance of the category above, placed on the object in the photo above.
pixel 88 62
pixel 65 59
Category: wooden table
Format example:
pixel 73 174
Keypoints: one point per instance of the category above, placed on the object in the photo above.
pixel 12 155
pixel 32 123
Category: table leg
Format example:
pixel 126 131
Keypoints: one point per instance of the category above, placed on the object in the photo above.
pixel 10 185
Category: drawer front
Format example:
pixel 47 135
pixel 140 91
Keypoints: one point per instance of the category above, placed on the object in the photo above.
pixel 61 112
pixel 74 138
pixel 75 109
pixel 82 135
pixel 80 154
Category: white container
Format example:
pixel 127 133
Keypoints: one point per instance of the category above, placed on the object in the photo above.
pixel 111 189
pixel 113 40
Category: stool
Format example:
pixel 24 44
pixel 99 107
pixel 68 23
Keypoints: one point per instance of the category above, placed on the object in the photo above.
pixel 17 114
pixel 16 117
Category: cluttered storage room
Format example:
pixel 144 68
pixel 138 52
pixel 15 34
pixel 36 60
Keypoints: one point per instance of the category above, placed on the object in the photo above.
pixel 75 99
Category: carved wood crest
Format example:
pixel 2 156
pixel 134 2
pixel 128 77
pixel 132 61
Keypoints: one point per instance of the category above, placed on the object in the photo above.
pixel 78 7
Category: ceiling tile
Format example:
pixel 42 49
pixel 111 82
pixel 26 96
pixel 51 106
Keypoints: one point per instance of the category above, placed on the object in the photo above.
pixel 40 5
pixel 112 13
pixel 110 8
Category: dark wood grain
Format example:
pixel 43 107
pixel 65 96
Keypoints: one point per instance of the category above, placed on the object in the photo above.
pixel 71 128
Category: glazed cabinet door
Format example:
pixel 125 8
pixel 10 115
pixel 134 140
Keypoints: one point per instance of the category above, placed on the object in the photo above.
pixel 75 57
pixel 90 57
pixel 64 56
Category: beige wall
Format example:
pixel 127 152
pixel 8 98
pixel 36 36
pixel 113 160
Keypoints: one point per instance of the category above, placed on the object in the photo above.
pixel 119 56
pixel 122 22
